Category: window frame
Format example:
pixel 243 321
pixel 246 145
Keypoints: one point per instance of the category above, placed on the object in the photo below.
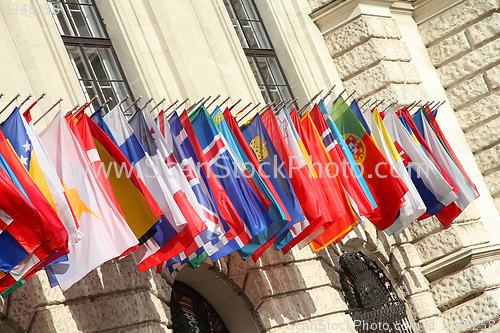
pixel 93 42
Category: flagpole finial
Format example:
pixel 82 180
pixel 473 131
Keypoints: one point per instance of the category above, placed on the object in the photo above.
pixel 1 94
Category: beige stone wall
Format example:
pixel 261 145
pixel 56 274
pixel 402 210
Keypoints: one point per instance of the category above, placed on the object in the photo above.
pixel 463 45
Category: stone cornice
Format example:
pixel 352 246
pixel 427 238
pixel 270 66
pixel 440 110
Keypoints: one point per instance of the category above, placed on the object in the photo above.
pixel 461 259
pixel 427 9
pixel 338 13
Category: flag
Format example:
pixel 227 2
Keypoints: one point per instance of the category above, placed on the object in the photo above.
pixel 234 236
pixel 433 188
pixel 414 206
pixel 247 203
pixel 334 193
pixel 467 192
pixel 268 159
pixel 350 182
pixel 106 234
pixel 28 147
pixel 175 160
pixel 346 151
pixel 451 211
pixel 169 196
pixel 388 190
pixel 136 203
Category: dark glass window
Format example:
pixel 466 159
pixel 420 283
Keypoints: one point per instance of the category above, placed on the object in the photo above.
pixel 91 52
pixel 259 50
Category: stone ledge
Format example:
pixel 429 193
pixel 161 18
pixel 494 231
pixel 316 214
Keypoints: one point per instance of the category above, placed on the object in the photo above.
pixel 472 280
pixel 452 239
pixel 481 309
pixel 459 260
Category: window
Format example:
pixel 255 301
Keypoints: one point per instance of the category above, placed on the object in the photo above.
pixel 259 50
pixel 91 52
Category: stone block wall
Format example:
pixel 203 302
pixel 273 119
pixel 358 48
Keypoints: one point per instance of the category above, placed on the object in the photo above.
pixel 464 45
pixel 371 58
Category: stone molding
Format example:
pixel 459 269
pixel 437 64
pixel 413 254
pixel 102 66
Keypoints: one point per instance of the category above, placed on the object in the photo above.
pixel 425 10
pixel 461 259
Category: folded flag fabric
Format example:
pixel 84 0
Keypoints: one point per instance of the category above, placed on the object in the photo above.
pixel 106 234
pixel 346 220
pixel 434 190
pixel 387 189
pixel 466 191
pixel 169 197
pixel 259 141
pixel 247 203
pixel 28 147
pixel 350 182
pixel 236 233
pixel 414 206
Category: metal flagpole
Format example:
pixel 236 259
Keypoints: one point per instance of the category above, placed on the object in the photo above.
pixel 85 106
pixel 34 103
pixel 25 100
pixel 133 103
pixel 47 112
pixel 232 106
pixel 11 101
pixel 224 101
pixel 212 102
pixel 329 92
pixel 160 103
pixel 309 103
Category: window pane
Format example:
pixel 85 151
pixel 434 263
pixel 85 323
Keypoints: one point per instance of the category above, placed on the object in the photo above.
pixel 116 90
pixel 265 94
pixel 266 73
pixel 260 35
pixel 255 70
pixel 77 61
pixel 85 21
pixel 103 63
pixel 62 20
pixel 245 9
pixel 275 70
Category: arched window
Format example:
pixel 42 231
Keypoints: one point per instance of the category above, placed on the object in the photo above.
pixel 191 313
pixel 373 303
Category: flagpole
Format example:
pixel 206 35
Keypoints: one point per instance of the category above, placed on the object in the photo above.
pixel 85 106
pixel 329 92
pixel 171 106
pixel 1 95
pixel 291 102
pixel 310 101
pixel 122 101
pixel 280 104
pixel 146 104
pixel 232 106
pixel 160 103
pixel 350 95
pixel 34 103
pixel 195 104
pixel 184 102
pixel 212 102
pixel 25 100
pixel 368 101
pixel 209 97
pixel 11 101
pixel 246 114
pixel 224 101
pixel 133 103
pixel 50 109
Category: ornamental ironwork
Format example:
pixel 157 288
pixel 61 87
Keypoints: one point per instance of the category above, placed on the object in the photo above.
pixel 373 303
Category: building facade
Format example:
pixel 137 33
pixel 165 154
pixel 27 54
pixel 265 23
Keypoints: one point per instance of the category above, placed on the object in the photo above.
pixel 395 51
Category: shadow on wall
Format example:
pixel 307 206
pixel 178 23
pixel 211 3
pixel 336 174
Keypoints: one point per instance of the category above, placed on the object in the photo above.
pixel 115 296
pixel 277 290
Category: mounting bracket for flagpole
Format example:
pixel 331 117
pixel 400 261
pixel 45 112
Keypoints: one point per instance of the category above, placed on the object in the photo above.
pixel 1 94
pixel 50 109
pixel 232 106
pixel 309 102
pixel 329 92
pixel 133 103
pixel 212 102
pixel 11 101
